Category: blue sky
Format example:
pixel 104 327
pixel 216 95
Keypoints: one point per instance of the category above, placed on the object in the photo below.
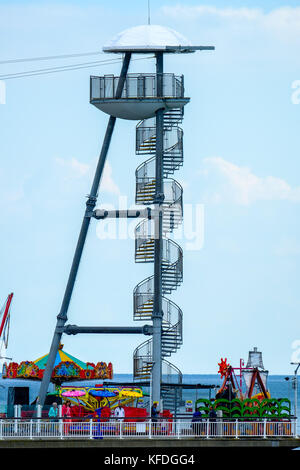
pixel 241 162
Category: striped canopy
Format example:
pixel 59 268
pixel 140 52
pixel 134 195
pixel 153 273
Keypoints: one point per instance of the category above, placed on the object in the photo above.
pixel 61 356
pixel 66 367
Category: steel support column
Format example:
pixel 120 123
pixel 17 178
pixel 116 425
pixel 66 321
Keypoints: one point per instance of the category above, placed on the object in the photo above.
pixel 158 242
pixel 90 205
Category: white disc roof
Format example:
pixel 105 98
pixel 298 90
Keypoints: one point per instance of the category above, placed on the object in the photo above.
pixel 149 38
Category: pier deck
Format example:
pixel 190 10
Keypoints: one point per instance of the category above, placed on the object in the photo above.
pixel 187 443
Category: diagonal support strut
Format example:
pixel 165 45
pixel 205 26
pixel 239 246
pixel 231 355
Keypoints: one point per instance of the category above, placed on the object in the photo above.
pixel 90 205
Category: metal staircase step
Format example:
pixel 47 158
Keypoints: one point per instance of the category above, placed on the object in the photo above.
pixel 171 338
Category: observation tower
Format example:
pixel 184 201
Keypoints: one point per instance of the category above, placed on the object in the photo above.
pixel 156 100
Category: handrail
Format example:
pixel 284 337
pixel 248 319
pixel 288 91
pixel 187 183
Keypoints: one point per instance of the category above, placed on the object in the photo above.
pixel 172 314
pixel 162 427
pixel 174 368
pixel 183 417
pixel 141 86
pixel 145 134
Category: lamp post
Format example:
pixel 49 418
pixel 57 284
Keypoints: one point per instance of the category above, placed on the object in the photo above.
pixel 295 385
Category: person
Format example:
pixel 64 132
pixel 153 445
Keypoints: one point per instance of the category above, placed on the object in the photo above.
pixel 196 420
pixel 66 414
pixel 154 416
pixel 119 411
pixel 154 412
pixel 98 431
pixel 212 414
pixel 53 412
pixel 120 415
pixel 212 418
pixel 219 420
pixel 67 411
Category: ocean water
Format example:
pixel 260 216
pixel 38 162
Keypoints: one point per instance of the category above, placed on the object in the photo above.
pixel 278 386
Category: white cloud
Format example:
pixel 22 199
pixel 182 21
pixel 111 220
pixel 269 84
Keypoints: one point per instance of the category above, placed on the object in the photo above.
pixel 282 21
pixel 193 12
pixel 73 169
pixel 285 20
pixel 241 186
pixel 107 183
pixel 12 193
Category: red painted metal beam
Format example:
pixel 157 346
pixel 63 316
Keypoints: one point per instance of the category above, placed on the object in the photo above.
pixel 6 311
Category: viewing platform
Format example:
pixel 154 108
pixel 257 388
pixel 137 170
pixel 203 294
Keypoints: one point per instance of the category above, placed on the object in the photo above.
pixel 139 99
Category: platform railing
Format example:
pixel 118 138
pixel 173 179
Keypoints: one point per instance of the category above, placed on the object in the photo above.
pixel 139 86
pixel 19 429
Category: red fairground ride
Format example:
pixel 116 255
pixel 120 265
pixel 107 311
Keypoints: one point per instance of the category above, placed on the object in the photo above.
pixel 254 375
pixel 4 326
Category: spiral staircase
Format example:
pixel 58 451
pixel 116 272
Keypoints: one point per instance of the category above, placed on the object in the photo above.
pixel 172 261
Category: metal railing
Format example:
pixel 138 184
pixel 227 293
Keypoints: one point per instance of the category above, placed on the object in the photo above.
pixel 137 86
pixel 17 429
pixel 172 141
pixel 142 357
